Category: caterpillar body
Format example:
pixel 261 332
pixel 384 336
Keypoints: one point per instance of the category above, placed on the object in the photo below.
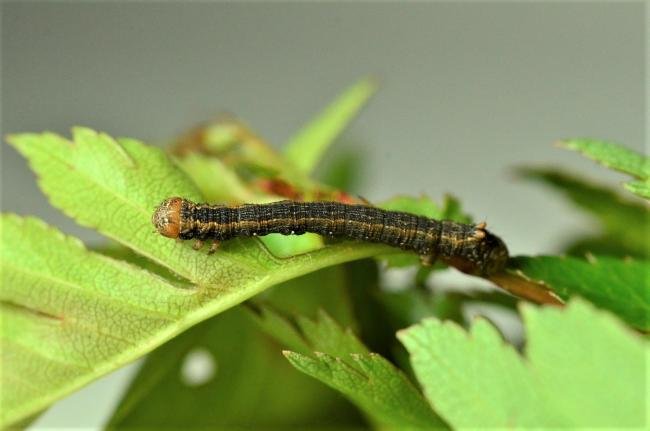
pixel 469 247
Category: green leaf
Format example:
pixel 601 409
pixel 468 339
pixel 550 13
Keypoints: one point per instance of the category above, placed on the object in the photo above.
pixel 408 307
pixel 375 385
pixel 616 157
pixel 306 335
pixel 306 148
pixel 345 171
pixel 475 380
pixel 612 155
pixel 114 186
pixel 620 286
pixel 363 289
pixel 344 363
pixel 625 224
pixel 75 314
pixel 251 377
pixel 422 206
pixel 218 183
pixel 639 188
pixel 252 387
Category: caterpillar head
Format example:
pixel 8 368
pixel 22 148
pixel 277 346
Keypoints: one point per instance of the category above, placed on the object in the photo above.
pixel 483 253
pixel 167 217
pixel 496 254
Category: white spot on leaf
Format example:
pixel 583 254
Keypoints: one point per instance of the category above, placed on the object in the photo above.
pixel 199 367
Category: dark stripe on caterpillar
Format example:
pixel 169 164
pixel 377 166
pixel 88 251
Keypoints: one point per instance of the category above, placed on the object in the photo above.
pixel 471 248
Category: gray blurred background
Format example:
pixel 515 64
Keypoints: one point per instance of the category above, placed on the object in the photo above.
pixel 468 91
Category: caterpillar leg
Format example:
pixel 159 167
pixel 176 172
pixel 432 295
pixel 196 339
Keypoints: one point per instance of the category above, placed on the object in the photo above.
pixel 213 247
pixel 427 259
pixel 197 244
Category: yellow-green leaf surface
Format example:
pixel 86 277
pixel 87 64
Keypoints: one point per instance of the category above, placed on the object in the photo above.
pixel 617 157
pixel 113 186
pixel 70 315
pixel 620 286
pixel 581 369
pixel 307 147
pixel 336 357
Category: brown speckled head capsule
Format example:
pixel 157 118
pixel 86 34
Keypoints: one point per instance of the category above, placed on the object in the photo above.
pixel 167 217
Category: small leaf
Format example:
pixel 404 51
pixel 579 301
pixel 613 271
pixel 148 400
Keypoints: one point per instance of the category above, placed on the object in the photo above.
pixel 475 380
pixel 616 157
pixel 422 206
pixel 321 334
pixel 624 223
pixel 218 183
pixel 306 148
pixel 620 286
pixel 240 150
pixel 344 363
pixel 611 155
pixel 375 385
pixel 345 171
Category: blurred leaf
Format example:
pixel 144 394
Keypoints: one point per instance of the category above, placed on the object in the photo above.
pixel 475 380
pixel 341 361
pixel 362 283
pixel 422 206
pixel 218 183
pixel 238 149
pixel 625 224
pixel 114 186
pixel 214 137
pixel 325 289
pixel 252 377
pixel 408 307
pixel 639 188
pixel 452 210
pixel 306 148
pixel 344 171
pixel 620 286
pixel 603 245
pixel 611 155
pixel 252 388
pixel 616 157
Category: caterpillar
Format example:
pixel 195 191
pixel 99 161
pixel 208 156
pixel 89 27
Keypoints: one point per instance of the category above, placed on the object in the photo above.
pixel 469 247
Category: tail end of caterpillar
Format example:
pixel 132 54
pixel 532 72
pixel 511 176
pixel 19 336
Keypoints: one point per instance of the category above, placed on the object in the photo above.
pixel 167 217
